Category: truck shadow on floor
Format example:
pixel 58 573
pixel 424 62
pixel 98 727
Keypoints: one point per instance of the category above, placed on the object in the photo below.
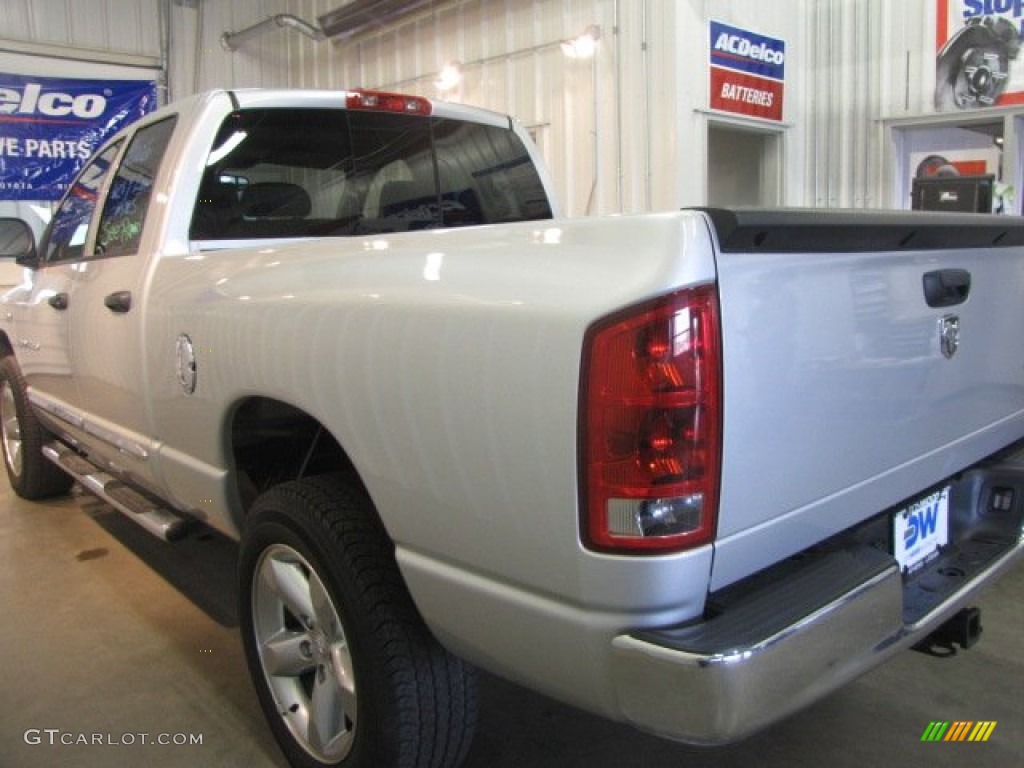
pixel 201 566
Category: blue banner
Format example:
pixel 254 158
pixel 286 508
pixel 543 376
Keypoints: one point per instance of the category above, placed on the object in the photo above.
pixel 746 51
pixel 50 126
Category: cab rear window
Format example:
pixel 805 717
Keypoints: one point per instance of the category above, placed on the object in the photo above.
pixel 315 173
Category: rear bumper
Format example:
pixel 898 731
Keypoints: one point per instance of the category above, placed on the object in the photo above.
pixel 721 680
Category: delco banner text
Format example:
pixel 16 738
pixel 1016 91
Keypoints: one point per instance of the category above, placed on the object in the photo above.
pixel 50 126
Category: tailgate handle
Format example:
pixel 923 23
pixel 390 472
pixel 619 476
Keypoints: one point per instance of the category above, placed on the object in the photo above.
pixel 946 287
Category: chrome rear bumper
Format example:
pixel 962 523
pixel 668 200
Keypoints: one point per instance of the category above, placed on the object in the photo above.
pixel 695 685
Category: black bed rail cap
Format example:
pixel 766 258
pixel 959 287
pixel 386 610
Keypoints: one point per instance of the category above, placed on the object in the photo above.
pixel 830 230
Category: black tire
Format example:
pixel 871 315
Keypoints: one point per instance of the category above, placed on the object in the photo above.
pixel 32 476
pixel 354 655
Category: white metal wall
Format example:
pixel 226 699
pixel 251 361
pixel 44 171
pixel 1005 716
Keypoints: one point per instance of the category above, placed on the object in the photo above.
pixel 870 59
pixel 197 61
pixel 125 26
pixel 634 118
pixel 608 120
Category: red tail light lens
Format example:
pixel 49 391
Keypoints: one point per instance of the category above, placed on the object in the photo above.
pixel 379 101
pixel 650 432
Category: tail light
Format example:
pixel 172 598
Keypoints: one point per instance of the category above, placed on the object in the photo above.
pixel 650 432
pixel 379 101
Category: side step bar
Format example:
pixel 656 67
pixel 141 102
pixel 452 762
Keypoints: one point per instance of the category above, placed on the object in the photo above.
pixel 158 520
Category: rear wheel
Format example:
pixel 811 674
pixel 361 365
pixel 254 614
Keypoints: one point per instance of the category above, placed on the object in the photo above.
pixel 345 670
pixel 23 438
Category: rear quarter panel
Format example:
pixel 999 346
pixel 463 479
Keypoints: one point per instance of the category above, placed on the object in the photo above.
pixel 446 363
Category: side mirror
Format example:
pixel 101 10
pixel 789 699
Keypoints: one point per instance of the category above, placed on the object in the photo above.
pixel 17 242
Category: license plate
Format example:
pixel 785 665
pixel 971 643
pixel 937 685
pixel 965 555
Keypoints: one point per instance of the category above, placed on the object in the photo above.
pixel 920 530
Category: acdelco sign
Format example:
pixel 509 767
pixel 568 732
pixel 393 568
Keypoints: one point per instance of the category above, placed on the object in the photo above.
pixel 747 51
pixel 34 101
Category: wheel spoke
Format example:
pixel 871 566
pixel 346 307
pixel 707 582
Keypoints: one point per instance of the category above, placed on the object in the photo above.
pixel 289 582
pixel 10 429
pixel 326 716
pixel 346 677
pixel 323 609
pixel 287 654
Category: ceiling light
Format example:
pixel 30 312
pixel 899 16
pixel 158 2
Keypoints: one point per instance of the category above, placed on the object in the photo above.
pixel 584 46
pixel 449 77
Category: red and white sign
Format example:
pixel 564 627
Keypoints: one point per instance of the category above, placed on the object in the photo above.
pixel 748 72
pixel 745 94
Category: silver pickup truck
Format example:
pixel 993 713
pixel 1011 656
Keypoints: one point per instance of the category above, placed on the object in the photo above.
pixel 690 470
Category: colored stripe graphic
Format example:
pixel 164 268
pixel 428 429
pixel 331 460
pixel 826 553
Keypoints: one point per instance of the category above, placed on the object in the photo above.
pixel 960 730
pixel 982 731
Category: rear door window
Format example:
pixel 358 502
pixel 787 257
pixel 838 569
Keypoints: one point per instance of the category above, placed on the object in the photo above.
pixel 65 238
pixel 124 212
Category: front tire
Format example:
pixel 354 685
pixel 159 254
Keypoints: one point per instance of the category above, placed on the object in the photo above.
pixel 23 437
pixel 346 671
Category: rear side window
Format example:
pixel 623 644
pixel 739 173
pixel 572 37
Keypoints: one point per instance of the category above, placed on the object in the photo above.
pixel 315 173
pixel 124 211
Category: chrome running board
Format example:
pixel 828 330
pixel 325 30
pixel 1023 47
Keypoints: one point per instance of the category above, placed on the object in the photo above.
pixel 158 520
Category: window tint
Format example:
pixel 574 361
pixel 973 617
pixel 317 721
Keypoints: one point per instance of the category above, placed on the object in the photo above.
pixel 309 173
pixel 275 173
pixel 66 235
pixel 124 212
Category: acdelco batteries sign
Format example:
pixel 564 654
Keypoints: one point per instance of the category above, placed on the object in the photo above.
pixel 748 72
pixel 50 126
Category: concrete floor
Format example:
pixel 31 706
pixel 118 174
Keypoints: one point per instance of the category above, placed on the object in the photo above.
pixel 107 630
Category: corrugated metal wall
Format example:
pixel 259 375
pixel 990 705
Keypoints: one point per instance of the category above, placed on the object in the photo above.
pixel 633 119
pixel 198 62
pixel 870 59
pixel 125 26
pixel 605 128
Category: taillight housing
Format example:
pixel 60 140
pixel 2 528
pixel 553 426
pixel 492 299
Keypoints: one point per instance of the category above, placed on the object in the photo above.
pixel 650 425
pixel 381 101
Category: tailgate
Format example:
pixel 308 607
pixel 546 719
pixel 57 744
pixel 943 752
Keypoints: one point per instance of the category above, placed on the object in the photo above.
pixel 867 358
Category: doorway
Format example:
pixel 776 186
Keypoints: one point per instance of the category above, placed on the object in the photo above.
pixel 743 166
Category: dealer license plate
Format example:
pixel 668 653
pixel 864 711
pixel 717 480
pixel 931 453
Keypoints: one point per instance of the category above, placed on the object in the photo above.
pixel 920 530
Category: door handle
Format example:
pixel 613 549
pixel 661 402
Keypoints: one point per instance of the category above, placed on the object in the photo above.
pixel 58 301
pixel 946 287
pixel 118 301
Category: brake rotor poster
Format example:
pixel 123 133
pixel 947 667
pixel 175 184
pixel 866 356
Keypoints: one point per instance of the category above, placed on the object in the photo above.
pixel 748 72
pixel 978 60
pixel 50 126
